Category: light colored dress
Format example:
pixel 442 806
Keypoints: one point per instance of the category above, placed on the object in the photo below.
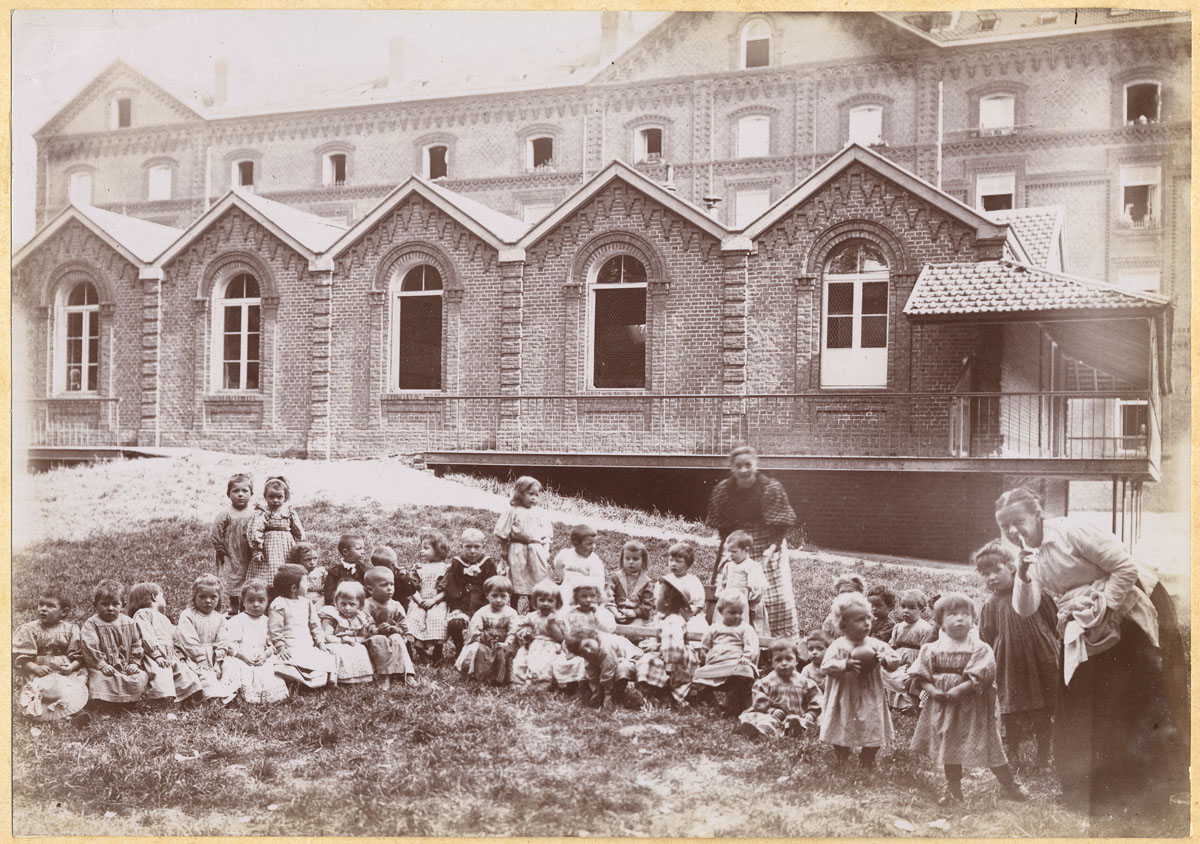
pixel 906 642
pixel 570 570
pixel 856 712
pixel 567 667
pixel 671 665
pixel 747 577
pixel 490 638
pixel 730 652
pixel 56 695
pixel 346 638
pixel 773 700
pixel 273 532
pixel 528 560
pixel 177 680
pixel 964 731
pixel 534 662
pixel 294 630
pixel 429 625
pixel 230 537
pixel 389 651
pixel 116 643
pixel 197 637
pixel 245 640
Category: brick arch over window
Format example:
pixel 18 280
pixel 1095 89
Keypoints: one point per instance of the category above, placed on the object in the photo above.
pixel 72 272
pixel 229 264
pixel 898 259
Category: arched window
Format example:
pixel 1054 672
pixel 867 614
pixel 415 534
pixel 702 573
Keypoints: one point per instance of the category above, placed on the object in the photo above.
pixel 854 332
pixel 237 352
pixel 756 44
pixel 416 353
pixel 77 352
pixel 617 306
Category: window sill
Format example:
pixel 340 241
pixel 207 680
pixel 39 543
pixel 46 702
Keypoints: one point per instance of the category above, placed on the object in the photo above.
pixel 1125 227
pixel 79 396
pixel 401 396
pixel 234 398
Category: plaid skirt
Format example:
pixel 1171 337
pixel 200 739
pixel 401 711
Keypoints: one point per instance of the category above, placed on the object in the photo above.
pixel 276 545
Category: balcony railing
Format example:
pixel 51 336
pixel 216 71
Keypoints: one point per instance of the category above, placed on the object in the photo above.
pixel 81 421
pixel 1045 425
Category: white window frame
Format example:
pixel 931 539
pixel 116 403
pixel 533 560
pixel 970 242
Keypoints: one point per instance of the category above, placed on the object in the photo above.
pixel 754 136
pixel 396 297
pixel 329 170
pixel 1007 122
pixel 749 204
pixel 1125 100
pixel 90 318
pixel 159 182
pixel 861 113
pixel 217 333
pixel 1148 279
pixel 529 153
pixel 854 367
pixel 235 173
pixel 593 287
pixel 995 184
pixel 756 29
pixel 640 153
pixel 1119 425
pixel 426 163
pixel 1139 175
pixel 77 193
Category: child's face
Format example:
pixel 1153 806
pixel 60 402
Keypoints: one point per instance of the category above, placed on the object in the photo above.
pixel 784 664
pixel 472 548
pixel 631 562
pixel 347 606
pixel 957 623
pixel 679 565
pixel 739 555
pixel 381 589
pixel 732 616
pixel 816 650
pixel 307 557
pixel 845 587
pixel 585 546
pixel 585 599
pixel 274 497
pixel 497 599
pixel 240 495
pixel 206 599
pixel 255 604
pixel 856 623
pixel 545 604
pixel 427 553
pixel 909 612
pixel 49 611
pixel 589 648
pixel 353 552
pixel 108 607
pixel 529 498
pixel 999 578
pixel 879 608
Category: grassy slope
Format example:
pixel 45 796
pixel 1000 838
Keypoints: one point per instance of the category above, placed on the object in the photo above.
pixel 446 758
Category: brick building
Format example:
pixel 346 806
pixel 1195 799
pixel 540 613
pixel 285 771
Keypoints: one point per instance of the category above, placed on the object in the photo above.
pixel 891 324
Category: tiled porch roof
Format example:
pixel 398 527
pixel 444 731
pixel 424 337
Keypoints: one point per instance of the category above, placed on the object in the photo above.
pixel 1005 287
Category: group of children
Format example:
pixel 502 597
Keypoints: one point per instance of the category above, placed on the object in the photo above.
pixel 540 623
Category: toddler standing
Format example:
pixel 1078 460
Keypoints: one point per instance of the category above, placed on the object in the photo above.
pixel 1026 650
pixel 579 563
pixel 960 722
pixel 524 532
pixel 295 632
pixel 274 528
pixel 491 635
pixel 250 661
pixel 785 702
pixel 347 626
pixel 111 647
pixel 427 610
pixel 57 682
pixel 743 573
pixel 908 635
pixel 230 536
pixel 199 628
pixel 539 635
pixel 729 652
pixel 170 676
pixel 630 591
pixel 856 713
pixel 387 645
pixel 464 584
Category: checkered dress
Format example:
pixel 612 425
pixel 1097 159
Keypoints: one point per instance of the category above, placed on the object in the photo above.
pixel 273 532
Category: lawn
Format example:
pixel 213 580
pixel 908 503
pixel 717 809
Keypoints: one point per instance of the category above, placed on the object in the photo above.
pixel 445 758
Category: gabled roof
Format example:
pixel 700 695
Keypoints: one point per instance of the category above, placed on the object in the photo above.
pixel 620 171
pixel 497 230
pixel 965 291
pixel 306 233
pixel 984 228
pixel 1038 230
pixel 950 28
pixel 138 241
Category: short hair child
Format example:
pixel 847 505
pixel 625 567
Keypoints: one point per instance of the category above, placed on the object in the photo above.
pixel 45 656
pixel 287 580
pixel 295 631
pixel 547 589
pixel 112 648
pixel 140 596
pixel 230 536
pixel 273 529
pixel 524 531
pixel 783 702
pixel 685 555
pixel 488 654
pixel 844 583
pixel 729 598
pixel 350 566
pixel 730 652
pixel 350 589
pixel 427 611
pixel 346 540
pixel 739 539
pixel 912 596
pixel 581 532
pixel 883 601
pixel 954 602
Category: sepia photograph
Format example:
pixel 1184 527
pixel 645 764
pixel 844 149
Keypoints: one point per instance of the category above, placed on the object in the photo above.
pixel 601 423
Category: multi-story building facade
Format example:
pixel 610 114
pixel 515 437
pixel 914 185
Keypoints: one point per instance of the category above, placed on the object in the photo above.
pixel 524 299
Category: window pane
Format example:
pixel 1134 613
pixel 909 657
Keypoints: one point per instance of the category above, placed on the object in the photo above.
pixel 543 151
pixel 81 188
pixel 754 137
pixel 419 346
pixel 93 377
pixel 874 297
pixel 437 162
pixel 245 173
pixel 82 294
pixel 93 350
pixel 252 347
pixel 160 183
pixel 874 332
pixel 622 269
pixel 996 113
pixel 422 277
pixel 866 125
pixel 232 350
pixel 758 53
pixel 75 327
pixel 619 353
pixel 1137 202
pixel 652 141
pixel 124 111
pixel 233 319
pixel 339 169
pixel 1141 102
pixel 252 318
pixel 841 298
pixel 232 377
pixel 999 202
pixel 857 257
pixel 839 332
pixel 251 376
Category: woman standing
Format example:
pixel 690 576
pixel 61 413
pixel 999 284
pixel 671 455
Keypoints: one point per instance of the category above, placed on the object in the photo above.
pixel 1116 745
pixel 758 505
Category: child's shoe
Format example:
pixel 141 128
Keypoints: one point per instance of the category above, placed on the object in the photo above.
pixel 410 680
pixel 951 800
pixel 1015 792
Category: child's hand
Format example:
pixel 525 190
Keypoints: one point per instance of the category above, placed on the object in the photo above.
pixel 107 670
pixel 130 669
pixel 65 669
pixel 957 692
pixel 162 662
pixel 853 664
pixel 38 670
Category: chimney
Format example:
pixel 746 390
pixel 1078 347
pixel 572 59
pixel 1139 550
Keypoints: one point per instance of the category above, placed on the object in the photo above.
pixel 395 77
pixel 710 205
pixel 609 25
pixel 220 82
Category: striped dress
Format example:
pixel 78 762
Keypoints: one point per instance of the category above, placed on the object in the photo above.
pixel 272 532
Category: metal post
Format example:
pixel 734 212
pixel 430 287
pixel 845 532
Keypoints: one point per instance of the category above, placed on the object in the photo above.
pixel 1114 504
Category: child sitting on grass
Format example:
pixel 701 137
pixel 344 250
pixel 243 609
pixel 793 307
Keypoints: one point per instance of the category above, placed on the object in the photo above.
pixel 844 584
pixel 630 590
pixel 491 636
pixel 230 537
pixel 664 673
pixel 524 532
pixel 388 644
pixel 350 566
pixel 856 713
pixel 1026 650
pixel 908 635
pixel 729 653
pixel 304 554
pixel 960 724
pixel 744 573
pixel 295 632
pixel 199 628
pixel 817 643
pixel 584 614
pixel 579 563
pixel 883 601
pixel 609 668
pixel 274 529
pixel 347 625
pixel 111 647
pixel 57 683
pixel 171 678
pixel 464 584
pixel 427 610
pixel 250 661
pixel 539 635
pixel 785 702
pixel 681 557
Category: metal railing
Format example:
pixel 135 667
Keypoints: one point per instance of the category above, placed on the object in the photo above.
pixel 81 421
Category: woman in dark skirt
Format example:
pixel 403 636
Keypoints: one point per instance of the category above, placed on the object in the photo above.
pixel 1117 746
pixel 759 505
